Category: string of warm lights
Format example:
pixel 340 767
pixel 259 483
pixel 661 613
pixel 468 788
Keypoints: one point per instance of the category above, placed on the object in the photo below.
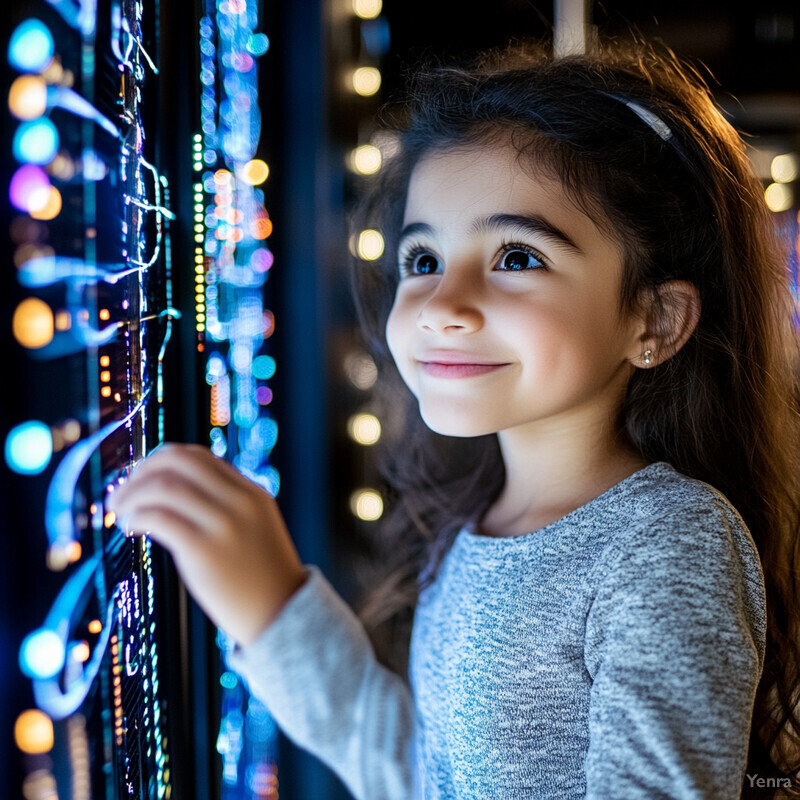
pixel 365 160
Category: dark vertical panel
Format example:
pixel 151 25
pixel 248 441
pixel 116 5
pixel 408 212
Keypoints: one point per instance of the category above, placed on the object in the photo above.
pixel 302 196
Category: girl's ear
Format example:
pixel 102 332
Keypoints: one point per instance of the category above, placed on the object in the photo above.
pixel 670 319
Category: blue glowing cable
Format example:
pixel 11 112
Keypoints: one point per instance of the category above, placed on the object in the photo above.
pixel 43 271
pixel 80 14
pixel 72 599
pixel 70 100
pixel 58 515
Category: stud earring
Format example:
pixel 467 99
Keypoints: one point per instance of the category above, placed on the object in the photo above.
pixel 646 357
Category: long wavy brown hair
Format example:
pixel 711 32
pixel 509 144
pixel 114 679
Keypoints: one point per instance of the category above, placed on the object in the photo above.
pixel 724 409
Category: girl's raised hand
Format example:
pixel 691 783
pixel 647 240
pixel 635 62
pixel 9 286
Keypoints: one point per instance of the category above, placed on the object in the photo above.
pixel 225 533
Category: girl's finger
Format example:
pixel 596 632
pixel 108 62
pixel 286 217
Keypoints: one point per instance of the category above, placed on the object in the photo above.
pixel 164 488
pixel 168 527
pixel 198 465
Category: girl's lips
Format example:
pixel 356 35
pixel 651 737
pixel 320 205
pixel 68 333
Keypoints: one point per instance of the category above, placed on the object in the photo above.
pixel 443 369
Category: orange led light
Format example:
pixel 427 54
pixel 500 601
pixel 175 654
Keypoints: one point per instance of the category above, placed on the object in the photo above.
pixel 261 228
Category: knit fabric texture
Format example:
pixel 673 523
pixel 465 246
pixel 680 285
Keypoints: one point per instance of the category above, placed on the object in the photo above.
pixel 611 655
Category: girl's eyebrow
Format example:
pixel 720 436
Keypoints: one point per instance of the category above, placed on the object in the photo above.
pixel 527 223
pixel 415 229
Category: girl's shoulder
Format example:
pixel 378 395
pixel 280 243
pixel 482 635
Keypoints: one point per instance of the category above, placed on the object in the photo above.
pixel 679 585
pixel 660 495
pixel 681 532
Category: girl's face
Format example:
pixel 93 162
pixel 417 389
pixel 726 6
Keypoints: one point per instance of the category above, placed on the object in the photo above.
pixel 506 313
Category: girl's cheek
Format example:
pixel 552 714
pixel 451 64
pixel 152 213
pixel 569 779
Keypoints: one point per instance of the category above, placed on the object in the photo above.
pixel 392 331
pixel 400 328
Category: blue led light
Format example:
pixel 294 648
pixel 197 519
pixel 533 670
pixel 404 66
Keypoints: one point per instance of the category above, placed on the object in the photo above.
pixel 263 367
pixel 36 142
pixel 30 48
pixel 42 654
pixel 29 447
pixel 228 680
pixel 258 44
pixel 215 369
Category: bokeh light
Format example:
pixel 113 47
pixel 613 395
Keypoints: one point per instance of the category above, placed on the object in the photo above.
pixel 263 367
pixel 33 323
pixel 30 48
pixel 779 197
pixel 364 428
pixel 27 97
pixel 366 81
pixel 361 370
pixel 261 228
pixel 366 159
pixel 33 732
pixel 261 260
pixel 50 209
pixel 370 245
pixel 36 141
pixel 367 9
pixel 29 189
pixel 366 504
pixel 785 167
pixel 254 172
pixel 258 44
pixel 29 447
pixel 42 654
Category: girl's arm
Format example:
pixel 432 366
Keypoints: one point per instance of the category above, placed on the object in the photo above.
pixel 302 650
pixel 316 672
pixel 675 648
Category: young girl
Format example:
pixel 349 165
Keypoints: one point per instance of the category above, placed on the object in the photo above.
pixel 594 452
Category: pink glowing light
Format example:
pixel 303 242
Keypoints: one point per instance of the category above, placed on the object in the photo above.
pixel 30 188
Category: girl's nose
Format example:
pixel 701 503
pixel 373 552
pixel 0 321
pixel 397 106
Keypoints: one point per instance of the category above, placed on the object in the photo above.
pixel 451 309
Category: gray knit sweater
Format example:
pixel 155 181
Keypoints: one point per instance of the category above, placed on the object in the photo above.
pixel 611 655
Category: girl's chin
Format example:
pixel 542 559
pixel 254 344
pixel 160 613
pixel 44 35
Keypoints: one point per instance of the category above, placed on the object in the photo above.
pixel 451 425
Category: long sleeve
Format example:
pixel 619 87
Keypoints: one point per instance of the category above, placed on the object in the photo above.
pixel 675 649
pixel 316 672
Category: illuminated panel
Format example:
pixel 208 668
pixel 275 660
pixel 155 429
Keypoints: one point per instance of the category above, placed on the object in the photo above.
pixel 92 255
pixel 232 264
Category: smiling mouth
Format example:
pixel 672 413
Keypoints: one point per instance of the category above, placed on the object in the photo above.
pixel 449 369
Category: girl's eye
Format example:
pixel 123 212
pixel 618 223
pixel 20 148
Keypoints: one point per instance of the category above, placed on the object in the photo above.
pixel 514 260
pixel 420 264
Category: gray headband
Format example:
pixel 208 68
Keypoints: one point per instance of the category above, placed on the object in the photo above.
pixel 648 117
